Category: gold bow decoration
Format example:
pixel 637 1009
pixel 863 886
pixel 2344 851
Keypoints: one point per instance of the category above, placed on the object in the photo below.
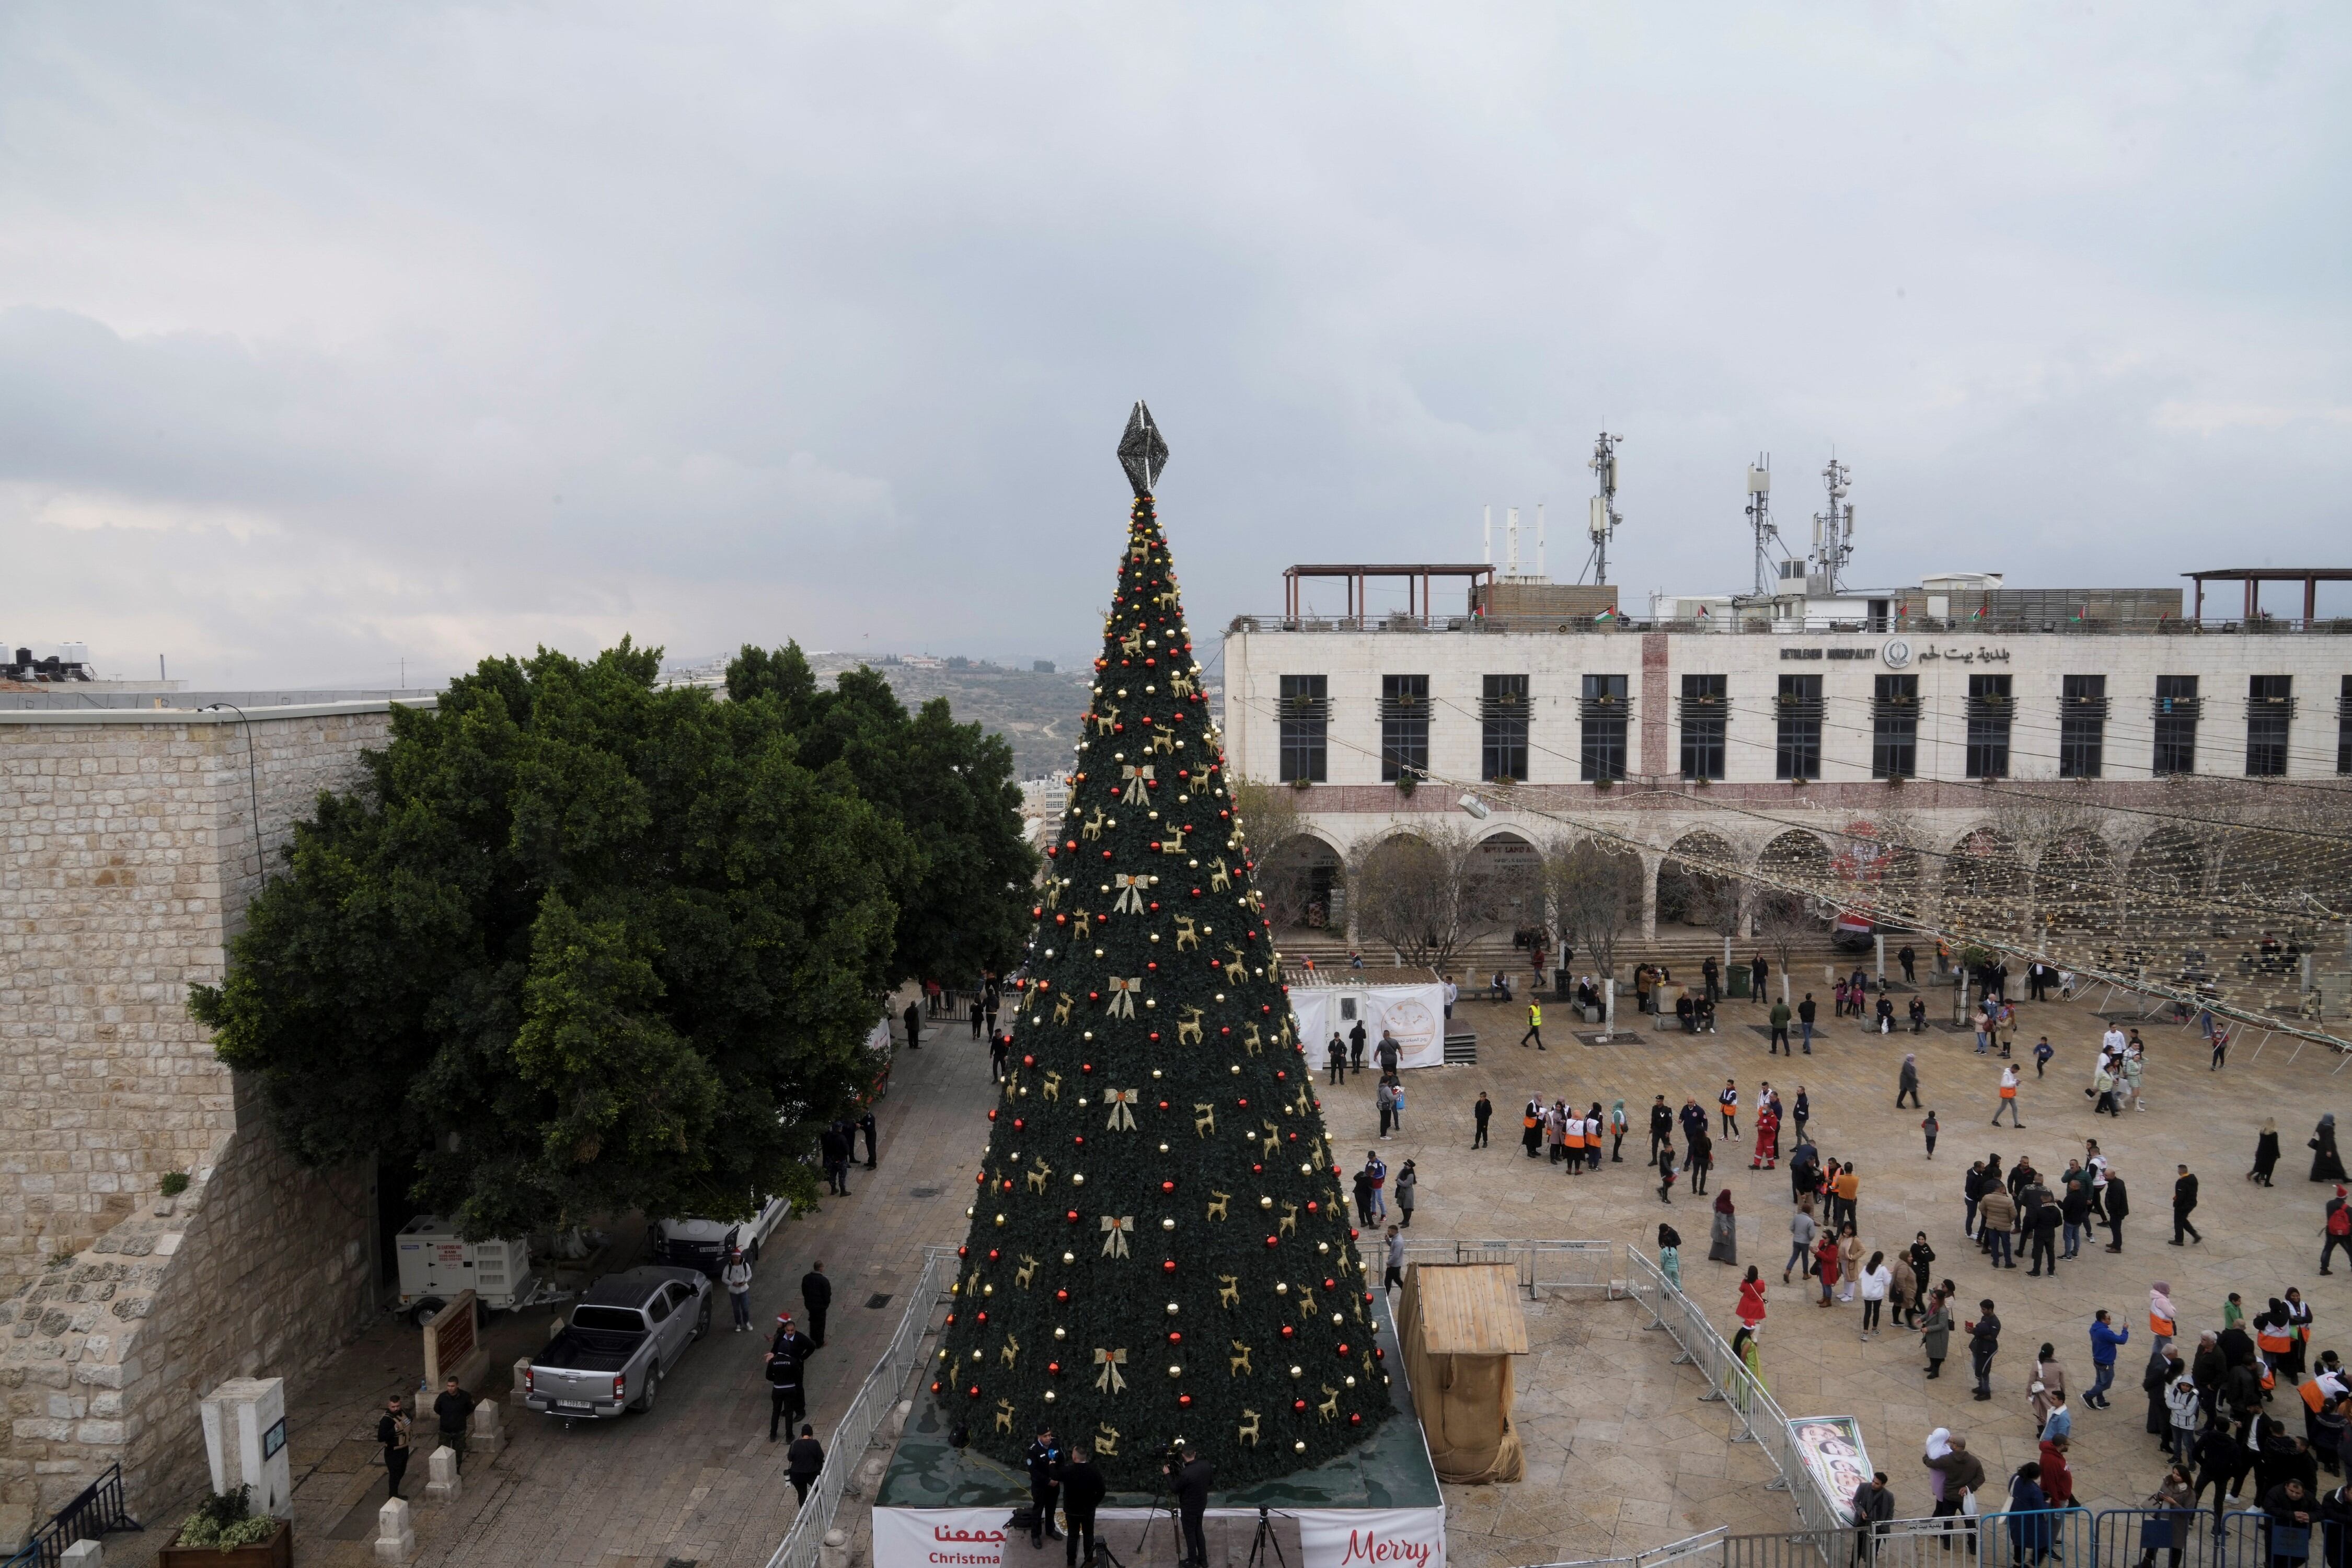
pixel 1117 1228
pixel 1130 892
pixel 1123 994
pixel 1122 1103
pixel 1135 777
pixel 1110 1382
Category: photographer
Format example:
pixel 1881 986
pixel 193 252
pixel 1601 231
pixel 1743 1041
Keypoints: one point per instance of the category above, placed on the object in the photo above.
pixel 1191 1485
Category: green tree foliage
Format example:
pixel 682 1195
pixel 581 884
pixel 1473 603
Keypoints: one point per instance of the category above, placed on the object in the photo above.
pixel 1161 1249
pixel 963 905
pixel 582 945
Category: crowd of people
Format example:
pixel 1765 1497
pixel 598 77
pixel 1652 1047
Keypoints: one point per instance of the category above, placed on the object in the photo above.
pixel 2222 1409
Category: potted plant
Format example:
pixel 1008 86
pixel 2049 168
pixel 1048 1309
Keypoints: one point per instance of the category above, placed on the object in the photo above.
pixel 227 1533
pixel 1407 781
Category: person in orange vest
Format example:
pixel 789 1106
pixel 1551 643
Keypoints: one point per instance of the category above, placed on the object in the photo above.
pixel 2163 1323
pixel 2298 1324
pixel 1571 1142
pixel 2274 1336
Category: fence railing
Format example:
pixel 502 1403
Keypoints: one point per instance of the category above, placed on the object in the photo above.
pixel 98 1508
pixel 1760 1416
pixel 845 1451
pixel 2048 1538
pixel 1542 1265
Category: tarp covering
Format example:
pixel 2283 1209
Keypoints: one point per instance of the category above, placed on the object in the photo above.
pixel 1414 1014
pixel 1464 1399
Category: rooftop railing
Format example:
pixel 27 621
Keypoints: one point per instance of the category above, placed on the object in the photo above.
pixel 1787 626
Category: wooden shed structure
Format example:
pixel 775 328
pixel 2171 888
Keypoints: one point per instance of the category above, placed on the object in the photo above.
pixel 1460 1324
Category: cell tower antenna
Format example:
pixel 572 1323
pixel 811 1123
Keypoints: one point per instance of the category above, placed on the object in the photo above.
pixel 1604 518
pixel 1760 518
pixel 1834 528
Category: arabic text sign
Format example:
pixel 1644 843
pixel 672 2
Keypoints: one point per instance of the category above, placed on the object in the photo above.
pixel 1833 1455
pixel 1331 1538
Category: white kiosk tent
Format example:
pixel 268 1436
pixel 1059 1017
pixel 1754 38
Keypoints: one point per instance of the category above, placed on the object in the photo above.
pixel 1409 1003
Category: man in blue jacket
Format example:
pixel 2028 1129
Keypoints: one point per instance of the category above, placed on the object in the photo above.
pixel 2104 1339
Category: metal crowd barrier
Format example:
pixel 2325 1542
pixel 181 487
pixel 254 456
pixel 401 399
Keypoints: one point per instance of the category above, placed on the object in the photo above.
pixel 1541 1265
pixel 846 1449
pixel 1760 1416
pixel 97 1510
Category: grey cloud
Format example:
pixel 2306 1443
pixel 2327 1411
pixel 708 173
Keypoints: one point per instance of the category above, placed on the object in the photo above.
pixel 823 323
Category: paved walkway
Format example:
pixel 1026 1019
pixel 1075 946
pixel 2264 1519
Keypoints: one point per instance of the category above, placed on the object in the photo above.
pixel 695 1480
pixel 1622 1457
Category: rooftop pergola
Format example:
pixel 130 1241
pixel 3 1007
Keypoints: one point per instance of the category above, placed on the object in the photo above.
pixel 1354 575
pixel 2254 577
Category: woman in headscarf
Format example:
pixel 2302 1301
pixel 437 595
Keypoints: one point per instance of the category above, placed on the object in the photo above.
pixel 2327 1164
pixel 1940 1443
pixel 1749 1378
pixel 2266 1154
pixel 2163 1321
pixel 2273 1336
pixel 1670 1254
pixel 1723 1241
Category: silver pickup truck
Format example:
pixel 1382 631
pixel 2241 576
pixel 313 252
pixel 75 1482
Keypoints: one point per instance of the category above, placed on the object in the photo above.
pixel 627 1333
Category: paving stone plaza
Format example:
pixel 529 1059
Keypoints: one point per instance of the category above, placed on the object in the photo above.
pixel 1621 1453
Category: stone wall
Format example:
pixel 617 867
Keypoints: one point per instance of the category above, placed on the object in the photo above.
pixel 128 848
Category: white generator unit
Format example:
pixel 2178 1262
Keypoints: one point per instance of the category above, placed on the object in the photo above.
pixel 436 1263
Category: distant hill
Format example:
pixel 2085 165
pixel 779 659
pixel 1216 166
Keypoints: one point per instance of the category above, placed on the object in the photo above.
pixel 1036 712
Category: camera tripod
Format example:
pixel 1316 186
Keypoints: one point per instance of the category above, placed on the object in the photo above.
pixel 1265 1540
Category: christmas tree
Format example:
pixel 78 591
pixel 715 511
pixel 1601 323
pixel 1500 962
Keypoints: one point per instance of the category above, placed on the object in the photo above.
pixel 1160 1250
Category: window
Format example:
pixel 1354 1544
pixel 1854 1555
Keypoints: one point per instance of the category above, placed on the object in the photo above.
pixel 1707 709
pixel 2177 707
pixel 1604 712
pixel 657 1306
pixel 1895 727
pixel 2082 726
pixel 1503 717
pixel 1305 717
pixel 2343 727
pixel 1404 726
pixel 1798 751
pixel 2270 707
pixel 1990 714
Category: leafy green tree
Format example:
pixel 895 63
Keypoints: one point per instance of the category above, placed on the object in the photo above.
pixel 580 945
pixel 963 908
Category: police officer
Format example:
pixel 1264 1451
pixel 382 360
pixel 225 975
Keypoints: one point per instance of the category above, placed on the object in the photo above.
pixel 1044 1459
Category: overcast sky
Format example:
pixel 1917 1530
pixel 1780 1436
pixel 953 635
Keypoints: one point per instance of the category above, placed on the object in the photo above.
pixel 333 336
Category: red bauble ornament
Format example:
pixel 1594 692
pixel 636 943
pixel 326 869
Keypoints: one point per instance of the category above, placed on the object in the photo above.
pixel 973 1391
pixel 1184 1402
pixel 992 1115
pixel 1343 1350
pixel 1062 1295
pixel 963 1252
pixel 1028 1061
pixel 935 1388
pixel 1272 1241
pixel 991 1255
pixel 1073 1217
pixel 1355 1418
pixel 1298 1404
pixel 1086 1066
pixel 1175 1336
pixel 1168 1266
pixel 1286 1330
